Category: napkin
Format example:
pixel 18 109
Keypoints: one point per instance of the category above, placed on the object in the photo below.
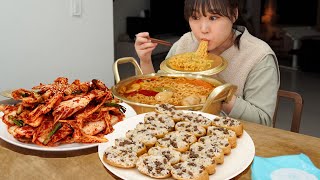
pixel 293 167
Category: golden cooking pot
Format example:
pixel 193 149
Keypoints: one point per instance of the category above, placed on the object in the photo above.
pixel 222 93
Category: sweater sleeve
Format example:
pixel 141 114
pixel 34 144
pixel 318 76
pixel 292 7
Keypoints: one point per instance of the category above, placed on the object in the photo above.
pixel 260 94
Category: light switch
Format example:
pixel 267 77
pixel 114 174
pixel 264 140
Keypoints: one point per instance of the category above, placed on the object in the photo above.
pixel 76 7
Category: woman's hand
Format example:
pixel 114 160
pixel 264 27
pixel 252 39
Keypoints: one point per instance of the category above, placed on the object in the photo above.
pixel 227 107
pixel 144 46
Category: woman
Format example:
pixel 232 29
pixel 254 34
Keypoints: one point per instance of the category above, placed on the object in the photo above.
pixel 252 65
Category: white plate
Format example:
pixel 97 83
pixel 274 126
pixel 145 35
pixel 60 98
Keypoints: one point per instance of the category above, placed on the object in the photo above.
pixel 239 159
pixel 6 136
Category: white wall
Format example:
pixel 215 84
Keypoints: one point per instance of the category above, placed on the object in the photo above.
pixel 40 40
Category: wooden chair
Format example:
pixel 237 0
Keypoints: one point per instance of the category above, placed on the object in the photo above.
pixel 298 106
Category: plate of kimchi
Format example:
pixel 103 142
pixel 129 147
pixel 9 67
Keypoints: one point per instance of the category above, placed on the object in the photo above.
pixel 62 116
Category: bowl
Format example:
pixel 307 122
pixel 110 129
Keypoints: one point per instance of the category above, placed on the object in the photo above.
pixel 217 65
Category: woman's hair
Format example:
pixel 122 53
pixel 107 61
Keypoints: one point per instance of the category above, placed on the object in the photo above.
pixel 226 8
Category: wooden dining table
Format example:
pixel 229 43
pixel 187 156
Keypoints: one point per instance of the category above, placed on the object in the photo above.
pixel 20 163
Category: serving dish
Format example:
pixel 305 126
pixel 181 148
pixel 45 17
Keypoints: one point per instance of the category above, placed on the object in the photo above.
pixel 198 62
pixel 218 64
pixel 222 92
pixel 6 136
pixel 235 163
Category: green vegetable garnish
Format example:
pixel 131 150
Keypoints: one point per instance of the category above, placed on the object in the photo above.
pixel 54 130
pixel 121 108
pixel 19 123
pixel 24 95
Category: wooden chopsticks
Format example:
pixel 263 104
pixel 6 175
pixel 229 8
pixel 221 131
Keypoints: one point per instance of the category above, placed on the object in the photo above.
pixel 166 43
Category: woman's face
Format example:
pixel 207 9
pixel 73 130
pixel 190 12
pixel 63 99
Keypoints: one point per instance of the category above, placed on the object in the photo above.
pixel 212 27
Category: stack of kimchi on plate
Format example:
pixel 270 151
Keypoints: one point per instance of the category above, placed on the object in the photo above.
pixel 58 113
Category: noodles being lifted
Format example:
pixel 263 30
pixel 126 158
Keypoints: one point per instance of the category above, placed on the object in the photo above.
pixel 192 61
pixel 173 90
pixel 58 113
pixel 202 51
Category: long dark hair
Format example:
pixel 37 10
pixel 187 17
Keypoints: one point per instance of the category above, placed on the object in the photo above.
pixel 226 8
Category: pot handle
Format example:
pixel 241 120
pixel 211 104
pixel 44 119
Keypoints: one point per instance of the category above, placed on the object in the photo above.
pixel 123 61
pixel 222 93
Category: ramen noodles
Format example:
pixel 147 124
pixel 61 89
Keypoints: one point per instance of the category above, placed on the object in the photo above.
pixel 192 61
pixel 179 91
pixel 202 51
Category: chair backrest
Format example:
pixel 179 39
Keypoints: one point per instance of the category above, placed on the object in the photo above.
pixel 298 106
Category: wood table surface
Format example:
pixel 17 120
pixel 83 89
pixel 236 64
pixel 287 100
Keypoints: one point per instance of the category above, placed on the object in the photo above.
pixel 20 163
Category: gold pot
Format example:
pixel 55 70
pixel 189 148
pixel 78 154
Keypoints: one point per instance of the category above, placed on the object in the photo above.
pixel 222 93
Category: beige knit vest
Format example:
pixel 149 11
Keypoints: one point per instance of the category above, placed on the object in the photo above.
pixel 240 61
